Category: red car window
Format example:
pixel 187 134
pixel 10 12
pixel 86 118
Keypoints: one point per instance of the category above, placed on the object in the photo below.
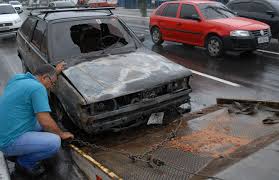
pixel 170 10
pixel 188 11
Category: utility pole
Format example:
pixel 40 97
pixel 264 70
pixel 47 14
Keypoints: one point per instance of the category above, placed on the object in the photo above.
pixel 143 7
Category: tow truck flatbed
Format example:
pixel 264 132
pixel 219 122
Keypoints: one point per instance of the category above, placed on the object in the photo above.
pixel 206 142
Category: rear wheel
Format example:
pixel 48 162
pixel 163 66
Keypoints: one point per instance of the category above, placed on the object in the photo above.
pixel 156 36
pixel 214 46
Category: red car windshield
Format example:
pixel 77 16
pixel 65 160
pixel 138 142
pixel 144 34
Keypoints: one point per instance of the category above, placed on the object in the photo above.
pixel 215 11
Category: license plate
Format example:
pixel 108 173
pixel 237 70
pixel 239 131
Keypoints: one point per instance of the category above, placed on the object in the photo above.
pixel 263 40
pixel 4 28
pixel 156 118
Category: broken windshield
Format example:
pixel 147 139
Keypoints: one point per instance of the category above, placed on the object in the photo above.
pixel 89 38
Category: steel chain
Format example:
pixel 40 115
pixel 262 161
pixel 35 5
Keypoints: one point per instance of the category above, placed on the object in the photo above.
pixel 145 157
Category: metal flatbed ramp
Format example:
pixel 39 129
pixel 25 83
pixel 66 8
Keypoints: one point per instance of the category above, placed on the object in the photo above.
pixel 203 137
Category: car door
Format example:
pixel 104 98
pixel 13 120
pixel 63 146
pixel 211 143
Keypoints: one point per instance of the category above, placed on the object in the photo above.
pixel 168 21
pixel 189 25
pixel 23 39
pixel 38 52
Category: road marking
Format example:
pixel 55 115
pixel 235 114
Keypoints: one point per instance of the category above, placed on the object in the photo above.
pixel 215 78
pixel 269 52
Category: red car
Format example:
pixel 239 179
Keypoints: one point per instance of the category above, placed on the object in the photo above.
pixel 207 24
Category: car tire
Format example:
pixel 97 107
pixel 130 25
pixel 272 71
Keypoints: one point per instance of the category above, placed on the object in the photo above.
pixel 156 36
pixel 60 115
pixel 57 109
pixel 24 68
pixel 214 46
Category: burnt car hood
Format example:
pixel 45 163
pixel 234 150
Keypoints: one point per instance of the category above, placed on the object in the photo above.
pixel 117 75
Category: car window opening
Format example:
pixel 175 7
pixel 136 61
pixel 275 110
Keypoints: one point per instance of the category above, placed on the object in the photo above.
pixel 87 37
pixel 95 37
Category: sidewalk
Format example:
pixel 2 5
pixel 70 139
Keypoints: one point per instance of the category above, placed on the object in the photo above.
pixel 133 15
pixel 133 12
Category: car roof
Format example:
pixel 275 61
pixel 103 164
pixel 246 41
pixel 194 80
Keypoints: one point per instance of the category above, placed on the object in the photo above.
pixel 71 14
pixel 274 3
pixel 57 2
pixel 193 1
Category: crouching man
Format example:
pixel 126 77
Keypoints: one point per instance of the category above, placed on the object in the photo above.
pixel 27 130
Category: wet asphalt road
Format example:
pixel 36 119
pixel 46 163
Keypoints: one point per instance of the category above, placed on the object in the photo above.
pixel 256 76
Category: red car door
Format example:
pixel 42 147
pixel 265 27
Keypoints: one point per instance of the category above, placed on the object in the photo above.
pixel 190 25
pixel 168 21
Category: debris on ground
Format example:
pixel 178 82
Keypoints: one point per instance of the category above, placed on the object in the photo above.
pixel 209 141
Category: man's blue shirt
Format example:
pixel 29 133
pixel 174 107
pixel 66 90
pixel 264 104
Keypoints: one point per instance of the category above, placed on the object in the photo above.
pixel 23 97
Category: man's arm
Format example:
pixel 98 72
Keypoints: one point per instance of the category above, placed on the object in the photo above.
pixel 50 125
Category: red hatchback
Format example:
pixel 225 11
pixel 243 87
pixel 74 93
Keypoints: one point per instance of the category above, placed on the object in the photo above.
pixel 207 24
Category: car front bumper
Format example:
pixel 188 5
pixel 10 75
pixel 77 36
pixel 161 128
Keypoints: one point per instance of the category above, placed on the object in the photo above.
pixel 9 32
pixel 135 115
pixel 243 43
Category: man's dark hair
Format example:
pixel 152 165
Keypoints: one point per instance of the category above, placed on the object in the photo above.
pixel 45 69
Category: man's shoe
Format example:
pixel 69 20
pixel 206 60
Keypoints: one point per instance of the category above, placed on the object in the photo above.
pixel 39 170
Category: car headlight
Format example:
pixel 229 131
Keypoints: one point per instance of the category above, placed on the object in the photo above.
pixel 17 21
pixel 240 33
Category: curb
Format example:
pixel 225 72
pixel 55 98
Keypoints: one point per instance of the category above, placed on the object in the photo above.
pixel 4 172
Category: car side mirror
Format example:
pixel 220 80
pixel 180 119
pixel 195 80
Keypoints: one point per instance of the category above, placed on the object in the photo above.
pixel 195 17
pixel 20 12
pixel 271 13
pixel 141 37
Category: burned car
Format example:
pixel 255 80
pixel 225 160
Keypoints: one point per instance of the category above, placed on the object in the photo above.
pixel 112 82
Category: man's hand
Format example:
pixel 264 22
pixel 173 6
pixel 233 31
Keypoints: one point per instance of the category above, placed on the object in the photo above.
pixel 66 135
pixel 60 67
pixel 50 125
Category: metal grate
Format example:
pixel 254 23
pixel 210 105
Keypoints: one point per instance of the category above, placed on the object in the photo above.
pixel 6 24
pixel 260 33
pixel 178 164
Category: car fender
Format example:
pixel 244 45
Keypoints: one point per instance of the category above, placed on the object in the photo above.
pixel 216 30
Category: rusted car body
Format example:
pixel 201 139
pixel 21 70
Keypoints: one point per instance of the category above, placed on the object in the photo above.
pixel 111 88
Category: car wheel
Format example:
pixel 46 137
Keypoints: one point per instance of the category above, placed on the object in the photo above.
pixel 24 68
pixel 59 114
pixel 156 36
pixel 214 46
pixel 57 109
